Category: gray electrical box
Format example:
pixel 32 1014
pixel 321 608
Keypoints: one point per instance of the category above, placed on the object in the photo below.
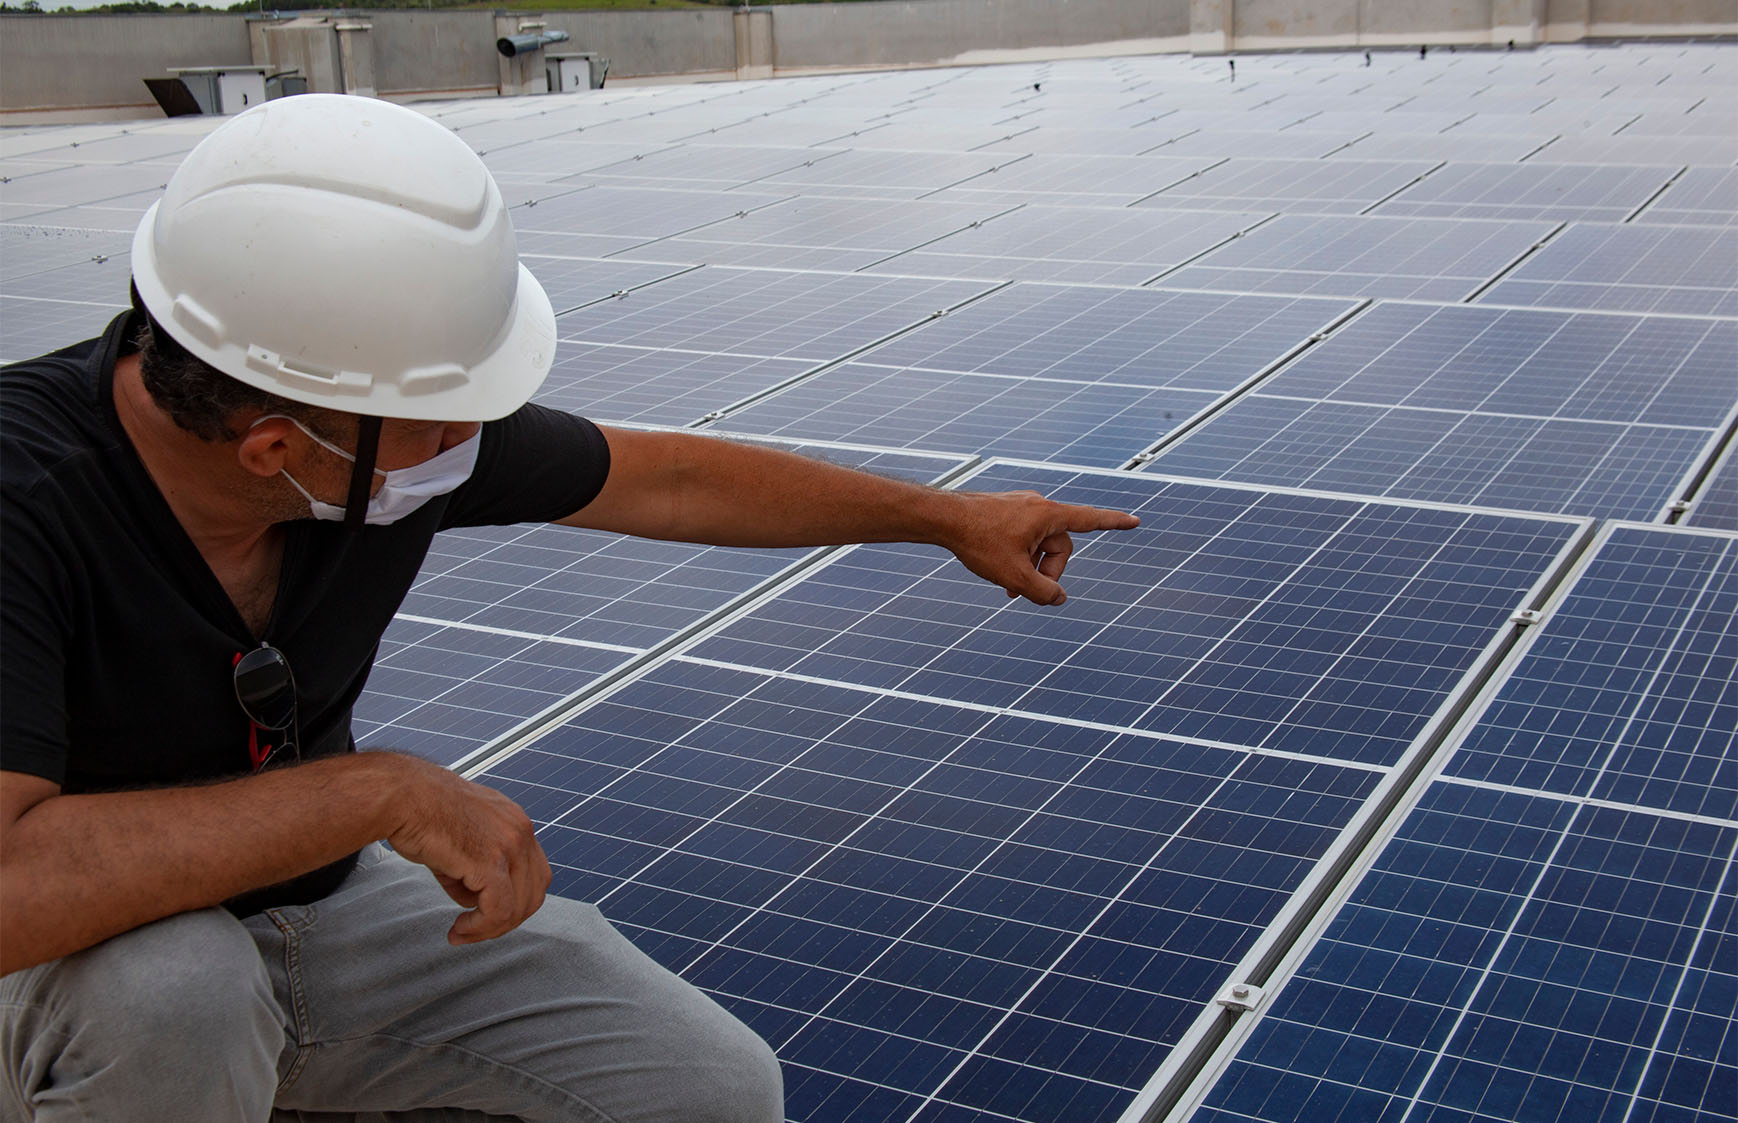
pixel 575 70
pixel 224 89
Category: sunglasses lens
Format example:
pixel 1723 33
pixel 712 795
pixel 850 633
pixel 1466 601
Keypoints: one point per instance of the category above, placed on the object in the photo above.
pixel 265 688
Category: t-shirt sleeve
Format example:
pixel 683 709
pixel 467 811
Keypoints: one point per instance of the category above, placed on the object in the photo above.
pixel 33 640
pixel 535 465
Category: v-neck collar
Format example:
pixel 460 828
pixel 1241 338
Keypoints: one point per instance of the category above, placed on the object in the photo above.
pixel 161 522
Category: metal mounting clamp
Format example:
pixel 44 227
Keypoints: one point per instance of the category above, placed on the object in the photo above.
pixel 1241 996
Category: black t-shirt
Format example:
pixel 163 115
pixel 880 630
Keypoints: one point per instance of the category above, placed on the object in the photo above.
pixel 117 642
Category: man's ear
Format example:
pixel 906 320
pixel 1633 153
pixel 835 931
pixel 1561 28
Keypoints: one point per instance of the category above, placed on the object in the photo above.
pixel 265 446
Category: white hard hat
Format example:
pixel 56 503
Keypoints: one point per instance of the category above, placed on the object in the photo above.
pixel 349 253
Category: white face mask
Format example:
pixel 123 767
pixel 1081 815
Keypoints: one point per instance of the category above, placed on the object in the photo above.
pixel 405 489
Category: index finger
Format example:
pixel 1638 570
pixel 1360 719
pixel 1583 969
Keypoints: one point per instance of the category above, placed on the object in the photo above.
pixel 1081 519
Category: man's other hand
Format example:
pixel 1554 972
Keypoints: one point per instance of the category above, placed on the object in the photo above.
pixel 479 845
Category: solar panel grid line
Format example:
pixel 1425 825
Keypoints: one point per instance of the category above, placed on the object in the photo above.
pixel 515 633
pixel 1602 803
pixel 683 654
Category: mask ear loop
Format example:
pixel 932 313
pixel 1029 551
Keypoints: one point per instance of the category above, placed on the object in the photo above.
pixel 362 473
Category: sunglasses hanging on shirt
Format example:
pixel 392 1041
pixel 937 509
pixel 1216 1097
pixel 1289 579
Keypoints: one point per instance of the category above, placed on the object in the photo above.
pixel 266 690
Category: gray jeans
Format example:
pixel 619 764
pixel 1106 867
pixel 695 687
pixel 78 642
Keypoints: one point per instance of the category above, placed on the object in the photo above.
pixel 356 1008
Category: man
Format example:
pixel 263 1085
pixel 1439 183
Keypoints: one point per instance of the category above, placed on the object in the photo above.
pixel 210 514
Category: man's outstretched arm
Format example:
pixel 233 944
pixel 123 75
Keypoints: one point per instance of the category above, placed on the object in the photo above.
pixel 690 488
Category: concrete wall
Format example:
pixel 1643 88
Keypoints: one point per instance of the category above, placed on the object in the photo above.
pixel 907 32
pixel 101 61
pixel 86 63
pixel 434 52
pixel 643 44
pixel 1258 25
pixel 1619 18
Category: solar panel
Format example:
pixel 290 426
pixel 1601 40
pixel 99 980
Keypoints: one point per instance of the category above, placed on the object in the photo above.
pixel 1074 375
pixel 843 233
pixel 652 387
pixel 1712 119
pixel 930 138
pixel 1629 269
pixel 1292 186
pixel 1031 139
pixel 972 902
pixel 1582 414
pixel 1483 147
pixel 1701 196
pixel 506 623
pixel 573 282
pixel 147 146
pixel 1576 192
pixel 1220 143
pixel 1357 121
pixel 120 215
pixel 923 906
pixel 622 217
pixel 37 326
pixel 27 250
pixel 1420 259
pixel 963 860
pixel 71 186
pixel 1551 931
pixel 1144 337
pixel 1209 630
pixel 873 174
pixel 721 167
pixel 1630 148
pixel 1072 245
pixel 1094 424
pixel 766 313
pixel 1077 180
pixel 1715 504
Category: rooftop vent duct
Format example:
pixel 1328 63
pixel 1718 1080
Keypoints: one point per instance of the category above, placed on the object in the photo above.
pixel 511 45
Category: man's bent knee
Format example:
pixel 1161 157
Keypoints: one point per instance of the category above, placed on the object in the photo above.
pixel 727 1073
pixel 167 1020
pixel 747 1085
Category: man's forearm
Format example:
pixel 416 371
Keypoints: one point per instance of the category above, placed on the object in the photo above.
pixel 728 493
pixel 78 869
pixel 685 487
